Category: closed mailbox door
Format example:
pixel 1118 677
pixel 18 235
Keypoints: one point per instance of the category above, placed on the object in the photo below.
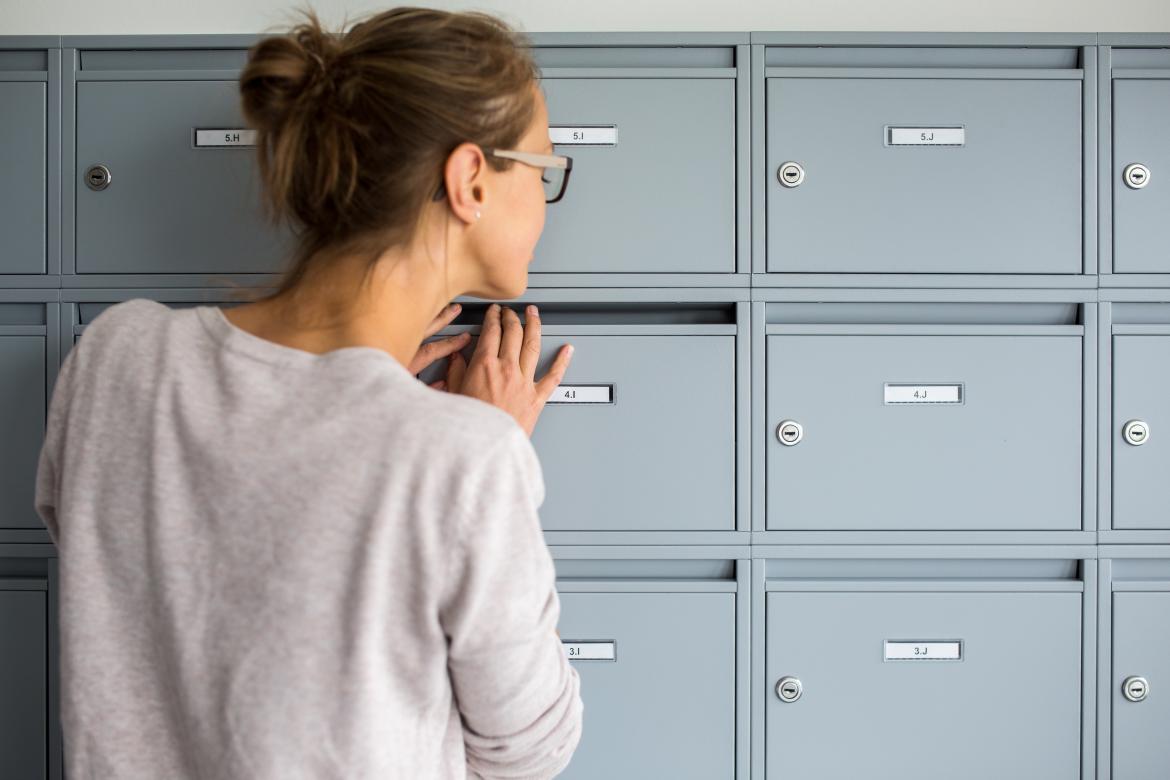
pixel 657 681
pixel 1141 196
pixel 22 169
pixel 660 455
pixel 23 686
pixel 22 418
pixel 653 183
pixel 1141 414
pixel 924 432
pixel 1141 636
pixel 915 175
pixel 169 205
pixel 961 685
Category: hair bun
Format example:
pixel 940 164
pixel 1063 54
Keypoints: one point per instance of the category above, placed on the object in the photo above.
pixel 287 72
pixel 322 50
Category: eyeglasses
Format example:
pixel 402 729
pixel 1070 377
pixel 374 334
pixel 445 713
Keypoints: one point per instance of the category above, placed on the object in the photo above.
pixel 554 175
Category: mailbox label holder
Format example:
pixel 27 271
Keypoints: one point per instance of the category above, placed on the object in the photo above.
pixel 590 651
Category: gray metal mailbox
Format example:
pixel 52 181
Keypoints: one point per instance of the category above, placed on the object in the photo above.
pixel 1141 411
pixel 924 166
pixel 943 428
pixel 640 436
pixel 23 167
pixel 653 182
pixel 957 682
pixel 1140 165
pixel 656 652
pixel 23 409
pixel 1140 696
pixel 24 719
pixel 166 176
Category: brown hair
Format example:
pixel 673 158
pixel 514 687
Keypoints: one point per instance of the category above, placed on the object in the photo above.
pixel 353 129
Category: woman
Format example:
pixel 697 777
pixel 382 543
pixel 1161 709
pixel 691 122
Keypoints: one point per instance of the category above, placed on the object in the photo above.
pixel 282 555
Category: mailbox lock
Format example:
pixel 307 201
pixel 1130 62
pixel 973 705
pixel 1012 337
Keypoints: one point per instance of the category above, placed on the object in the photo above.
pixel 791 174
pixel 97 177
pixel 789 432
pixel 789 689
pixel 1136 176
pixel 1135 688
pixel 1136 432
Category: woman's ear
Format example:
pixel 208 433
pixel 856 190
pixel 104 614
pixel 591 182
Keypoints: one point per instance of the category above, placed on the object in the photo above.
pixel 465 176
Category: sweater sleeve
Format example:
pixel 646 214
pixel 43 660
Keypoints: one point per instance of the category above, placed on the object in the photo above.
pixel 518 697
pixel 49 462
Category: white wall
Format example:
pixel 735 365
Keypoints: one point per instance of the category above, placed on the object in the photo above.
pixel 73 17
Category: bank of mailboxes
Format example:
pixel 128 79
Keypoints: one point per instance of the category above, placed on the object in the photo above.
pixel 877 160
pixel 962 669
pixel 875 416
pixel 183 173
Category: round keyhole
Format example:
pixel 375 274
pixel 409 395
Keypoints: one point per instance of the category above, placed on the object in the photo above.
pixel 1135 688
pixel 789 689
pixel 789 432
pixel 1136 432
pixel 1136 176
pixel 97 177
pixel 790 174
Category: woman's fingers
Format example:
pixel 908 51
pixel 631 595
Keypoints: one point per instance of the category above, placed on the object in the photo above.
pixel 530 351
pixel 444 318
pixel 513 336
pixel 456 368
pixel 436 350
pixel 489 335
pixel 548 383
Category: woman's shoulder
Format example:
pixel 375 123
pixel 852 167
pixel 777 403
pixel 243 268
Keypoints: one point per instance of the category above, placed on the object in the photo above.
pixel 129 310
pixel 123 328
pixel 136 316
pixel 461 421
pixel 470 440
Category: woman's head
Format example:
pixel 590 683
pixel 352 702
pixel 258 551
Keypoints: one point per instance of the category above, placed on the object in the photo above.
pixel 359 132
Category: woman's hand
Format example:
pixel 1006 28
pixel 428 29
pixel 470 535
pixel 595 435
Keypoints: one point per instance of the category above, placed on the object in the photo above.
pixel 502 370
pixel 437 350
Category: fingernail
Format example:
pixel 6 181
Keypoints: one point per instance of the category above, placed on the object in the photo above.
pixel 455 307
pixel 532 311
pixel 570 349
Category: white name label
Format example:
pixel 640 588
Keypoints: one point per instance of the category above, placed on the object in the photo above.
pixel 594 135
pixel 591 651
pixel 926 136
pixel 225 137
pixel 923 651
pixel 924 394
pixel 582 394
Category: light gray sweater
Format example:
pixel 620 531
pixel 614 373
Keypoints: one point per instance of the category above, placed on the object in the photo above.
pixel 275 564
